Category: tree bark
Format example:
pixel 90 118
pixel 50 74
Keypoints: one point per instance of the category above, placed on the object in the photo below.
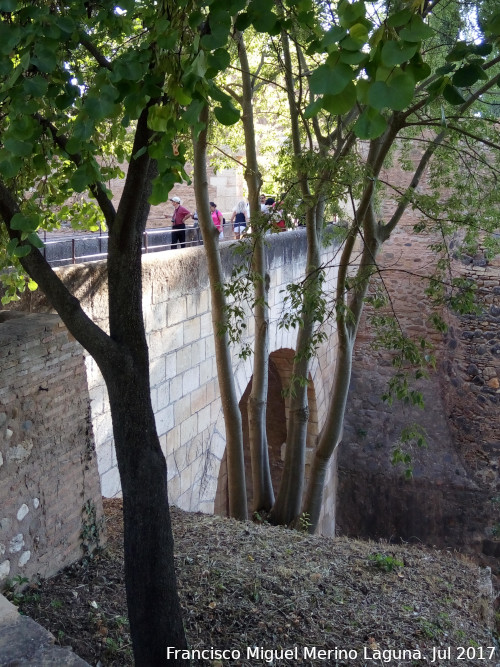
pixel 232 415
pixel 153 604
pixel 289 499
pixel 262 486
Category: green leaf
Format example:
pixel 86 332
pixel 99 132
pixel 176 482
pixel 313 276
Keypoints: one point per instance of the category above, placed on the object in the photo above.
pixel 353 57
pixel 359 33
pixel 9 37
pixel 493 25
pixel 83 176
pixel 396 53
pixel 101 103
pixel 451 95
pixel 192 113
pixel 334 35
pixel 180 95
pixel 460 51
pixel 22 250
pixel 25 223
pixel 362 90
pixel 446 69
pixel 396 94
pixel 468 75
pixel 158 117
pixel 416 31
pixel 349 13
pixel 370 125
pixel 35 240
pixel 341 103
pixel 227 115
pixel 18 147
pixel 10 167
pixel 483 49
pixel 35 86
pixel 129 70
pixel 66 24
pixel 8 5
pixel 219 59
pixel 267 22
pixel 243 21
pixel 45 57
pixel 199 65
pixel 419 71
pixel 11 245
pixel 327 81
pixel 399 18
pixel 313 108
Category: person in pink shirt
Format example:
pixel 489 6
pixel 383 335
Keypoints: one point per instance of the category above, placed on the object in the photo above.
pixel 217 218
pixel 179 217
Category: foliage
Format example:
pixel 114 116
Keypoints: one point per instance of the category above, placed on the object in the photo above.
pixel 386 563
pixel 349 87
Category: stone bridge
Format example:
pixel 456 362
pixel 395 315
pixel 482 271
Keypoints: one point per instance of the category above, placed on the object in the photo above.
pixel 185 391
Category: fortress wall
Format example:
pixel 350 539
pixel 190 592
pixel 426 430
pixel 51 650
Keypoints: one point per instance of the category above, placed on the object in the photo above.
pixel 49 484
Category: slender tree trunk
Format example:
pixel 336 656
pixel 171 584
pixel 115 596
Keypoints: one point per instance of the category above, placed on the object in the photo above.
pixel 232 415
pixel 348 319
pixel 262 486
pixel 289 499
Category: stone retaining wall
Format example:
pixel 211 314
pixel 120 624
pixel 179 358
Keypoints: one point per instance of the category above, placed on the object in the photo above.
pixel 48 471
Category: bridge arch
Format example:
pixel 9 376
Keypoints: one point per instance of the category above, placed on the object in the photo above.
pixel 278 410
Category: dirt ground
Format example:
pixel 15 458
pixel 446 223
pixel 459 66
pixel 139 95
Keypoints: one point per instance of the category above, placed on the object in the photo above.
pixel 258 590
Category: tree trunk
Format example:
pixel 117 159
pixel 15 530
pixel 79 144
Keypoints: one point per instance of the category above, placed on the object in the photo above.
pixel 288 502
pixel 262 486
pixel 153 604
pixel 232 415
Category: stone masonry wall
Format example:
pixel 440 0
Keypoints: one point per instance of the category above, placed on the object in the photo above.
pixel 450 500
pixel 185 391
pixel 48 469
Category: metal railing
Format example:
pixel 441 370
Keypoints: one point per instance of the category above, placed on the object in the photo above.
pixel 93 247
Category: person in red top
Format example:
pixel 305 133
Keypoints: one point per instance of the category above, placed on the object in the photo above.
pixel 217 218
pixel 179 218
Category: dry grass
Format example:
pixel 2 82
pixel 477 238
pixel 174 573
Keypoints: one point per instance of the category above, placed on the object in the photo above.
pixel 245 585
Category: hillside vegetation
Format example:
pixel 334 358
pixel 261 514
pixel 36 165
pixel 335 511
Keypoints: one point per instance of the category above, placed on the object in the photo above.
pixel 256 592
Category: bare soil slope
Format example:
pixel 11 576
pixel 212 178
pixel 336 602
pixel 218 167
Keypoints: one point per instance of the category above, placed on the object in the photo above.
pixel 257 590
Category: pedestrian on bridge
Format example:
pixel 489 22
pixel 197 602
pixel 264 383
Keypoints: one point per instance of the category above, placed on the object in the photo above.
pixel 179 217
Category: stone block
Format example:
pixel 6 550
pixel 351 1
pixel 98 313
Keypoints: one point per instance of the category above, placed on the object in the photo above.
pixel 173 439
pixel 192 330
pixel 175 389
pixel 189 428
pixel 164 419
pixel 172 338
pixel 182 409
pixel 176 311
pixel 110 484
pixel 190 380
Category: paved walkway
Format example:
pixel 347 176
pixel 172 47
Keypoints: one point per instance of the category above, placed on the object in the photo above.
pixel 24 643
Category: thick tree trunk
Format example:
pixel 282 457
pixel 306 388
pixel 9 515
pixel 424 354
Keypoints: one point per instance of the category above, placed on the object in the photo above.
pixel 262 486
pixel 232 415
pixel 153 604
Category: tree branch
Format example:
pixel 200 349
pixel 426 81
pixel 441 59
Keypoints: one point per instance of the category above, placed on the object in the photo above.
pixel 94 51
pixel 97 189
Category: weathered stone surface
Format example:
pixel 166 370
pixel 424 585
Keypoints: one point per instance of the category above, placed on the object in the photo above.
pixel 24 643
pixel 49 469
